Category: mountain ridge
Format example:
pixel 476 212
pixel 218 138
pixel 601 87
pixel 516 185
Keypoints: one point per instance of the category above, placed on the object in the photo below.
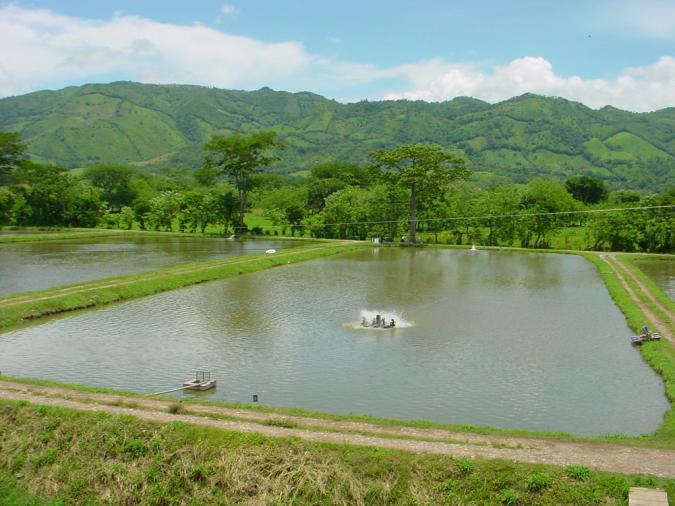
pixel 150 125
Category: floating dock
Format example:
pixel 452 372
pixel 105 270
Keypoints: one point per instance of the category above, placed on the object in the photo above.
pixel 195 384
pixel 202 381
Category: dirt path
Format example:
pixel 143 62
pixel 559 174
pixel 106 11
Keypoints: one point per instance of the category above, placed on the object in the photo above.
pixel 21 299
pixel 622 274
pixel 603 456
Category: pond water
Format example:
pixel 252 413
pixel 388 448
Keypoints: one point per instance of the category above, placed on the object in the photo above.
pixel 494 338
pixel 39 265
pixel 662 271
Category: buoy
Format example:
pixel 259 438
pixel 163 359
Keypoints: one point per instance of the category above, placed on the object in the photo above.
pixel 270 251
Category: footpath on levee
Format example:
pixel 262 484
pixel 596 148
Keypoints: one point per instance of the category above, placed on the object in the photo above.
pixel 638 292
pixel 605 456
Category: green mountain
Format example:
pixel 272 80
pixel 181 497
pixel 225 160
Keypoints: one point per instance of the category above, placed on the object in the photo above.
pixel 154 125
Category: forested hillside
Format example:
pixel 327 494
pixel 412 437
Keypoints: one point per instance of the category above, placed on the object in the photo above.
pixel 512 141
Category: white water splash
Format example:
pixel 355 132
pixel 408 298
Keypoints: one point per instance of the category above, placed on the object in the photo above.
pixel 387 316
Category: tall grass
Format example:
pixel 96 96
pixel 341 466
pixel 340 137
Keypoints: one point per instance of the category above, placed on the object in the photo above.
pixel 83 457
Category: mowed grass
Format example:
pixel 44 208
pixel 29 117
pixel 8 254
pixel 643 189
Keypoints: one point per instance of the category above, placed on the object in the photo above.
pixel 59 456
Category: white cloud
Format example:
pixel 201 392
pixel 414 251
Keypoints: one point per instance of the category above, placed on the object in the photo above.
pixel 46 46
pixel 636 88
pixel 229 9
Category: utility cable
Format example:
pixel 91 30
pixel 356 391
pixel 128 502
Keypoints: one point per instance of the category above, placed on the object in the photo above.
pixel 483 217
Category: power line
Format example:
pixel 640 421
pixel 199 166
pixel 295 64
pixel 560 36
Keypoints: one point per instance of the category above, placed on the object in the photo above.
pixel 461 218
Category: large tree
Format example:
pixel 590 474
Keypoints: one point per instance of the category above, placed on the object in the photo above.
pixel 11 152
pixel 425 170
pixel 586 189
pixel 547 202
pixel 239 157
pixel 115 183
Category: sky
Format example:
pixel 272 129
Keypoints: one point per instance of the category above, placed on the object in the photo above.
pixel 603 52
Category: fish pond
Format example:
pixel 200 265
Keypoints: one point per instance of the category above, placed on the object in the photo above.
pixel 505 339
pixel 662 271
pixel 29 266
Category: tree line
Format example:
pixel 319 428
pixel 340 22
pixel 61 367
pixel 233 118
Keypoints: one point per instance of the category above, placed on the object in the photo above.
pixel 411 193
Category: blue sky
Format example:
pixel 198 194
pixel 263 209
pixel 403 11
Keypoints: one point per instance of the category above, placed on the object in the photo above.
pixel 619 53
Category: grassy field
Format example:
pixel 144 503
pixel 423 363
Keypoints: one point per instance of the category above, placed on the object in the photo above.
pixel 69 457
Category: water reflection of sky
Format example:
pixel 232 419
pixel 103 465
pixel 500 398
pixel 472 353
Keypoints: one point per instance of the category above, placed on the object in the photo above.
pixel 39 265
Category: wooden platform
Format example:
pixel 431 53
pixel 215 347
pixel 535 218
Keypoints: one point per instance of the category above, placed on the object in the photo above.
pixel 638 496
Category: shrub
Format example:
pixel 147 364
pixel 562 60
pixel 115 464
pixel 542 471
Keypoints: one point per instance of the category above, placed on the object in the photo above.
pixel 135 447
pixel 510 497
pixel 579 473
pixel 465 466
pixel 281 422
pixel 537 481
pixel 175 408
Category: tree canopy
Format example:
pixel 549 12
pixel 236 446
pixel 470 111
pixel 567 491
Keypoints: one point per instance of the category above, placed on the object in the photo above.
pixel 240 156
pixel 114 182
pixel 586 189
pixel 12 151
pixel 425 170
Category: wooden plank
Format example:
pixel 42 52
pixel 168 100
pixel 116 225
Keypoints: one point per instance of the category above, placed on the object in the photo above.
pixel 172 390
pixel 638 496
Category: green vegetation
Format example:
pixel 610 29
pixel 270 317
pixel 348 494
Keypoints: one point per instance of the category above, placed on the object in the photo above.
pixel 81 457
pixel 424 172
pixel 239 157
pixel 516 140
pixel 579 473
pixel 61 235
pixel 417 189
pixel 17 309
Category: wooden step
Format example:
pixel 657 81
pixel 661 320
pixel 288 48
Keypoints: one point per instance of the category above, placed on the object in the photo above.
pixel 638 496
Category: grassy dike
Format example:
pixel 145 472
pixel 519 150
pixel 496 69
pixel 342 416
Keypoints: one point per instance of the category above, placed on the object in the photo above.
pixel 52 455
pixel 93 233
pixel 66 235
pixel 19 309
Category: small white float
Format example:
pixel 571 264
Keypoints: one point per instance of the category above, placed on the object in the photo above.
pixel 270 251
